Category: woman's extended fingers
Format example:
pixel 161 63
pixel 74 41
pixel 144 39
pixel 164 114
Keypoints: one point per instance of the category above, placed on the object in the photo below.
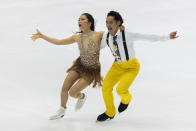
pixel 33 38
pixel 36 35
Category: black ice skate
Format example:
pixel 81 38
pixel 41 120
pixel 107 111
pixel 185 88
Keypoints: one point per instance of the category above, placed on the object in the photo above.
pixel 122 107
pixel 104 117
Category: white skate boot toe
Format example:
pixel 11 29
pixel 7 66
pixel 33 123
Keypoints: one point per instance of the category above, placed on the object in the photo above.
pixel 80 103
pixel 59 114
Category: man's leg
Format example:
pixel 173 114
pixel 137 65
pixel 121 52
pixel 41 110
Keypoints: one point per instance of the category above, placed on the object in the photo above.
pixel 126 80
pixel 124 84
pixel 109 82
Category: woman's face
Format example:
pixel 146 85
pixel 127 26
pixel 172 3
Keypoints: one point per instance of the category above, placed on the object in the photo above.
pixel 83 23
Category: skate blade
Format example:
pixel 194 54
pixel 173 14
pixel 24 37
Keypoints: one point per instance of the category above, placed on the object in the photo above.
pixel 57 118
pixel 107 120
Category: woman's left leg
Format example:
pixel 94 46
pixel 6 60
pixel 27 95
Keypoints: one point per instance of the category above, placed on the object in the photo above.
pixel 75 92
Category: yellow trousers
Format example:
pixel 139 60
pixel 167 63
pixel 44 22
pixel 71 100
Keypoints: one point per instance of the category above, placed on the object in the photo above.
pixel 123 73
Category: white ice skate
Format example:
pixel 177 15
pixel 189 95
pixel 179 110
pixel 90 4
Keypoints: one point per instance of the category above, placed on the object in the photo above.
pixel 80 103
pixel 59 114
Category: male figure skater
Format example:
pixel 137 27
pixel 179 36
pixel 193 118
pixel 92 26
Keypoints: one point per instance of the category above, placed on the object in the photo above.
pixel 125 67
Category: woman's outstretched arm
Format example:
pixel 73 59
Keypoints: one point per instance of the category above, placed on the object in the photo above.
pixel 55 41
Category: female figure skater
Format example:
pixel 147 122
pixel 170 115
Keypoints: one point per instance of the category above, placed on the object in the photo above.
pixel 86 68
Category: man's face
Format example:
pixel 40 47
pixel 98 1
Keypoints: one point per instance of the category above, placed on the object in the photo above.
pixel 112 25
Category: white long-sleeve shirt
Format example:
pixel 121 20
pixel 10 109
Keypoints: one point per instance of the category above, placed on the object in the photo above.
pixel 130 38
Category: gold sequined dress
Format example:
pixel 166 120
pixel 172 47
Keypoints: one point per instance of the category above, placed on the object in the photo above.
pixel 87 65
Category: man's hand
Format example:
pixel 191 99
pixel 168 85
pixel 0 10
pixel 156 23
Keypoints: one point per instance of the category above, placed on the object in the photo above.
pixel 173 35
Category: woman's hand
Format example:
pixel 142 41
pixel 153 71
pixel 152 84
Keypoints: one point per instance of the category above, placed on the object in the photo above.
pixel 122 27
pixel 36 36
